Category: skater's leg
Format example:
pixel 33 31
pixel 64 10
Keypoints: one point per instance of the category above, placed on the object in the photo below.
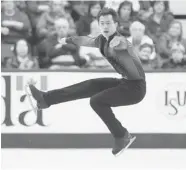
pixel 102 106
pixel 80 90
pixel 123 94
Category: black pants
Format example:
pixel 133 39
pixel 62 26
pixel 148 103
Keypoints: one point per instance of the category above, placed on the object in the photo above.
pixel 104 93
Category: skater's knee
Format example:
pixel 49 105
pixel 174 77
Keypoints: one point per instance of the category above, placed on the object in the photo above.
pixel 97 102
pixel 92 101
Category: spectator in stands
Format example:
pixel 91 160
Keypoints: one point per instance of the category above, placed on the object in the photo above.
pixel 177 58
pixel 78 9
pixel 160 20
pixel 14 23
pixel 94 29
pixel 51 48
pixel 173 35
pixel 34 10
pixel 138 37
pixel 22 57
pixel 126 17
pixel 45 25
pixel 145 11
pixel 14 26
pixel 84 24
pixel 145 53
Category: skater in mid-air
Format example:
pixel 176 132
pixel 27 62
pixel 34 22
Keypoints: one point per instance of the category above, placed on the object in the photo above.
pixel 104 93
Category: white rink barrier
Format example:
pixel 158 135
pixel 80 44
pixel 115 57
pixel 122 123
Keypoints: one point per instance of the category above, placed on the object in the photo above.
pixel 159 120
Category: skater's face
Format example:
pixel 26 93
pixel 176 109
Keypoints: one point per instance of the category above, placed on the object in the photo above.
pixel 107 25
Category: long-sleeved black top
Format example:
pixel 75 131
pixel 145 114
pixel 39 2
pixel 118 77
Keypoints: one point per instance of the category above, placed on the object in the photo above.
pixel 124 61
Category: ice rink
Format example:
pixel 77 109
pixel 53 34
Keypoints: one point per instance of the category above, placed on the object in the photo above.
pixel 93 159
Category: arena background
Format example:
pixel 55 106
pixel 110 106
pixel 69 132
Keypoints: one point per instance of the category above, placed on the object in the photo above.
pixel 49 141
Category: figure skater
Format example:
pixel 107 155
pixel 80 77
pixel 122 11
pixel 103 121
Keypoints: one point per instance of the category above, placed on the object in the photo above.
pixel 104 93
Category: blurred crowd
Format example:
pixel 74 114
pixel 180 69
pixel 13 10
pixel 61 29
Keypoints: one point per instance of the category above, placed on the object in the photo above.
pixel 31 32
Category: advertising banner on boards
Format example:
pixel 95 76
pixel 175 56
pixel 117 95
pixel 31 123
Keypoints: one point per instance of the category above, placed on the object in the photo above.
pixel 160 117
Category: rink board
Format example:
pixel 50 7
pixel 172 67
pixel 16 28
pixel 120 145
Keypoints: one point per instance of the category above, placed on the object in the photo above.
pixel 158 121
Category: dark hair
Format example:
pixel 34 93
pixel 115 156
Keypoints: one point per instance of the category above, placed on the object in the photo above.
pixel 126 3
pixel 146 45
pixel 15 47
pixel 166 4
pixel 108 11
pixel 93 3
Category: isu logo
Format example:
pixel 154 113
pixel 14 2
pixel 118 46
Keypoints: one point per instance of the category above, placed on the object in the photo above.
pixel 172 101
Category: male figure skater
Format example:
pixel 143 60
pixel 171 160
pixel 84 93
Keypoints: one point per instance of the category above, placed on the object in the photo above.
pixel 105 93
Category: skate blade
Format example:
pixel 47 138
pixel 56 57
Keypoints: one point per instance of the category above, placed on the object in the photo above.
pixel 32 101
pixel 130 143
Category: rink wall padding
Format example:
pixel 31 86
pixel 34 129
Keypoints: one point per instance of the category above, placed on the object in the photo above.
pixel 91 141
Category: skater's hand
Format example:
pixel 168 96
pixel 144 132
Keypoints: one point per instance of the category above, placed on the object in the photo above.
pixel 118 43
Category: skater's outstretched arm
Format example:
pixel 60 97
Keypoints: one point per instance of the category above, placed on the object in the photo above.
pixel 88 41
